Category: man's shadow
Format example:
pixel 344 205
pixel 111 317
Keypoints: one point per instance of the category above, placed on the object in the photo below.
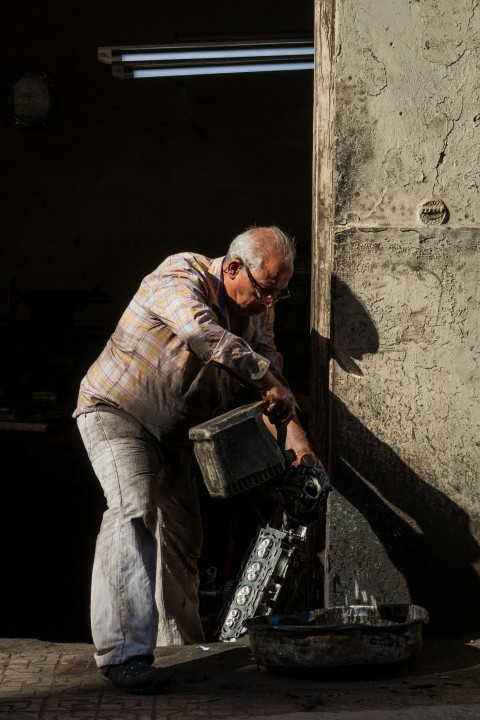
pixel 425 533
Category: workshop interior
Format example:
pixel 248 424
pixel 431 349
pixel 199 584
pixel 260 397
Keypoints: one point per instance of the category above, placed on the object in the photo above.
pixel 106 178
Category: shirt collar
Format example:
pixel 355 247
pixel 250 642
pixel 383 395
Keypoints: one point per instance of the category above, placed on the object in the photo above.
pixel 215 270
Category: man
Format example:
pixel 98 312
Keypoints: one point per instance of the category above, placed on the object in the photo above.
pixel 195 331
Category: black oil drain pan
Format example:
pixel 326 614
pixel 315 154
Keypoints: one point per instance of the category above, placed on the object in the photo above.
pixel 338 636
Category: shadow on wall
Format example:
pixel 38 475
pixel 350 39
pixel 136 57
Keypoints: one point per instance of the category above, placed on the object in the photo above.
pixel 426 535
pixel 356 335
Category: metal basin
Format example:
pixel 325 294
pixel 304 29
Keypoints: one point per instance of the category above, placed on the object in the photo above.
pixel 338 636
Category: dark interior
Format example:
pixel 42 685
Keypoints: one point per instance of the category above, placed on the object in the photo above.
pixel 121 175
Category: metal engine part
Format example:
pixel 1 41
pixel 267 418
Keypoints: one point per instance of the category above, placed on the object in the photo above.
pixel 261 579
pixel 303 492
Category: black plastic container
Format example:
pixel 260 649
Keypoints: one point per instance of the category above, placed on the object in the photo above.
pixel 236 451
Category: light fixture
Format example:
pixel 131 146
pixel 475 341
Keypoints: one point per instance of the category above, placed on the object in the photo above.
pixel 215 58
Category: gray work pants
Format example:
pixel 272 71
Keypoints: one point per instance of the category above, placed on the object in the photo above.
pixel 145 578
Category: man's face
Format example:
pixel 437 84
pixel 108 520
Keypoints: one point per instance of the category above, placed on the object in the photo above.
pixel 249 291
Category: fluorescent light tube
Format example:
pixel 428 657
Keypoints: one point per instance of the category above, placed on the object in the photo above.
pixel 216 69
pixel 213 54
pixel 221 58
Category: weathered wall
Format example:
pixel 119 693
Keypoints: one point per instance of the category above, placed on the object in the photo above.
pixel 407 90
pixel 405 522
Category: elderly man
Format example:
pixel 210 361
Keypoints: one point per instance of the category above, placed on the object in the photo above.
pixel 195 331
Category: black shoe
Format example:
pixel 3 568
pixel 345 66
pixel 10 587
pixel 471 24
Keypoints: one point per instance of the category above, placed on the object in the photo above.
pixel 136 676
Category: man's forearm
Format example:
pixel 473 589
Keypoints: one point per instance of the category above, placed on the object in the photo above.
pixel 297 440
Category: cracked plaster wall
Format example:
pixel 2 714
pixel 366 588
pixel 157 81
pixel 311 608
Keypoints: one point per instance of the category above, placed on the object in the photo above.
pixel 404 524
pixel 408 109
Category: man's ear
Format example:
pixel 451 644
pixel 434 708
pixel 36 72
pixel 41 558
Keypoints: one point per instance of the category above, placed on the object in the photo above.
pixel 233 267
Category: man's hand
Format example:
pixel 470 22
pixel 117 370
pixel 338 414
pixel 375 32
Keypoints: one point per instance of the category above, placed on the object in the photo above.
pixel 309 459
pixel 281 405
pixel 281 402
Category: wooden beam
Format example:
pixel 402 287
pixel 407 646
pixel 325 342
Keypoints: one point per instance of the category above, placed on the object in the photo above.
pixel 322 225
pixel 323 213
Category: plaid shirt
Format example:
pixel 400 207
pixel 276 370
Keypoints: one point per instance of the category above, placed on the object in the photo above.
pixel 172 361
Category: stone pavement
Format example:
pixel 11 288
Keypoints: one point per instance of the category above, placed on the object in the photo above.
pixel 55 681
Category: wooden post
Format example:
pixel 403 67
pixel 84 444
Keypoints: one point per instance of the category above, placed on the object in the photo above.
pixel 322 259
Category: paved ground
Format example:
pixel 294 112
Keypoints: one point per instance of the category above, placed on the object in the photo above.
pixel 60 682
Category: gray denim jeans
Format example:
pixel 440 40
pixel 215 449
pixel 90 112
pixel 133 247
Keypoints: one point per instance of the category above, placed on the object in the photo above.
pixel 145 578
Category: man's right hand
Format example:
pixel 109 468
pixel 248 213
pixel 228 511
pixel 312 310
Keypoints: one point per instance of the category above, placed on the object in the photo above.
pixel 281 402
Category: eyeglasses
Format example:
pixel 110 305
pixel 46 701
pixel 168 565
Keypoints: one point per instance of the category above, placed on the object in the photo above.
pixel 266 295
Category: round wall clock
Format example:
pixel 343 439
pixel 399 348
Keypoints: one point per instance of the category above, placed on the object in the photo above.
pixel 29 98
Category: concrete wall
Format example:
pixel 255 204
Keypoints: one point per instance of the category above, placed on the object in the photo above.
pixel 404 523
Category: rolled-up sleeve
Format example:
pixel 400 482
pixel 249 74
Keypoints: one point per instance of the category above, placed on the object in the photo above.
pixel 236 355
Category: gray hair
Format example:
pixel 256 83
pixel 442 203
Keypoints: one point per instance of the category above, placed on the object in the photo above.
pixel 256 243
